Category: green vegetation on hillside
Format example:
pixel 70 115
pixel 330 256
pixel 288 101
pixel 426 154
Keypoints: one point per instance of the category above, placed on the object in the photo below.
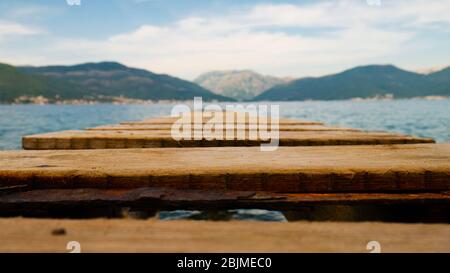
pixel 95 81
pixel 105 80
pixel 364 82
pixel 14 83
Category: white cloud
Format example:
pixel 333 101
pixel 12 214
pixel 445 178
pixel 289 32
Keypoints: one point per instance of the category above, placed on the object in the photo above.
pixel 279 39
pixel 13 29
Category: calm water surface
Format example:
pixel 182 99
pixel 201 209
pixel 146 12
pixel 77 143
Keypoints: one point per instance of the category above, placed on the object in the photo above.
pixel 419 117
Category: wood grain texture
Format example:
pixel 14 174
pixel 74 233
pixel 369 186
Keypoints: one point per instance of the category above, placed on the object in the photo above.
pixel 171 120
pixel 32 235
pixel 105 139
pixel 150 127
pixel 358 168
pixel 156 133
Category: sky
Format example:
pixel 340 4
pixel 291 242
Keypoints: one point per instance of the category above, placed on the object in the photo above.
pixel 185 38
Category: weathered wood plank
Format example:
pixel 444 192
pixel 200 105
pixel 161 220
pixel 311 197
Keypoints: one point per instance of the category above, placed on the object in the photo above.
pixel 150 127
pixel 171 120
pixel 34 235
pixel 162 138
pixel 155 132
pixel 420 167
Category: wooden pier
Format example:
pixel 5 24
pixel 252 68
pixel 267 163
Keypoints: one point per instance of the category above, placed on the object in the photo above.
pixel 156 133
pixel 352 175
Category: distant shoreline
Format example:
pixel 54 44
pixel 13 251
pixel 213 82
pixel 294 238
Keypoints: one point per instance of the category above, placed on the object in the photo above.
pixel 126 101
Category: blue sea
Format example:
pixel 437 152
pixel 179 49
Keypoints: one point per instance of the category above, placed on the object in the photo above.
pixel 419 117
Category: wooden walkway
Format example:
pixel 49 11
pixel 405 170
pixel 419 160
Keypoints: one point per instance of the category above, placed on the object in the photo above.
pixel 418 167
pixel 319 173
pixel 171 120
pixel 156 133
pixel 290 178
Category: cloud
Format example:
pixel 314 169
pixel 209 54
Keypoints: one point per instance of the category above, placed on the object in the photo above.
pixel 13 29
pixel 279 39
pixel 344 13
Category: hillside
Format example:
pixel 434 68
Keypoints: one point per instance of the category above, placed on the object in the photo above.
pixel 109 79
pixel 240 85
pixel 14 83
pixel 363 81
pixel 114 79
pixel 441 80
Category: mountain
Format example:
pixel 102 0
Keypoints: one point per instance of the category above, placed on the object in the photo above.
pixel 14 83
pixel 240 85
pixel 363 81
pixel 106 79
pixel 109 79
pixel 441 80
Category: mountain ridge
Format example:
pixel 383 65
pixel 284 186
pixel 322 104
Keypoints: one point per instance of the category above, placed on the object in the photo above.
pixel 237 84
pixel 102 80
pixel 115 79
pixel 14 84
pixel 363 81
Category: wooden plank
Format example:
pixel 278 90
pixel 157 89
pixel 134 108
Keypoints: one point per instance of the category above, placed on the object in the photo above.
pixel 171 120
pixel 156 132
pixel 420 167
pixel 162 138
pixel 100 235
pixel 151 127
